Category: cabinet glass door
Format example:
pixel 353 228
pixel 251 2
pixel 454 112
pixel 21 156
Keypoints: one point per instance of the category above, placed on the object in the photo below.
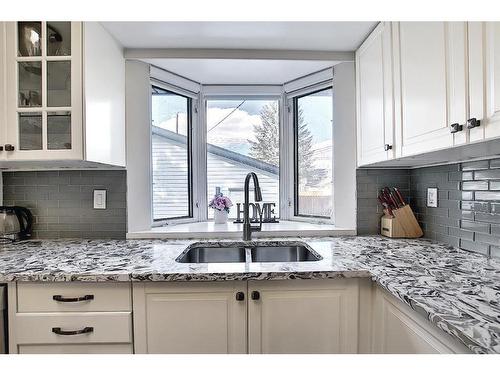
pixel 58 38
pixel 59 130
pixel 29 36
pixel 30 84
pixel 44 89
pixel 30 131
pixel 58 83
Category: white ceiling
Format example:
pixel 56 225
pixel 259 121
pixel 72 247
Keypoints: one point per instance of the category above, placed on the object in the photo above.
pixel 229 72
pixel 311 36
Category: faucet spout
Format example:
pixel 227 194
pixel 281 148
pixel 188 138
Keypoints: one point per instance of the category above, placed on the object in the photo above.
pixel 247 227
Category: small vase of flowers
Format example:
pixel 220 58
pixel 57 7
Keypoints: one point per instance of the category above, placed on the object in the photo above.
pixel 220 205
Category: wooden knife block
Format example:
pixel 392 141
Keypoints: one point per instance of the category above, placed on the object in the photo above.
pixel 402 225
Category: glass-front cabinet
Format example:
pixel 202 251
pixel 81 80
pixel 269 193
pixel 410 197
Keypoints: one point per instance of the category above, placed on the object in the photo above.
pixel 44 91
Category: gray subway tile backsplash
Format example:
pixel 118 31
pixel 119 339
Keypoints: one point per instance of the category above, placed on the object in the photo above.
pixel 468 212
pixel 475 185
pixel 475 165
pixel 62 202
pixel 491 174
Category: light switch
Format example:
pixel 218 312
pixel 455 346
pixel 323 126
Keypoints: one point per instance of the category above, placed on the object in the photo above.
pixel 100 199
pixel 432 197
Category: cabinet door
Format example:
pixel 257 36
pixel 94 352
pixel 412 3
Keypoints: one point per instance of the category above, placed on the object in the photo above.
pixel 44 96
pixel 397 329
pixel 303 316
pixel 189 318
pixel 476 38
pixel 431 83
pixel 492 49
pixel 375 116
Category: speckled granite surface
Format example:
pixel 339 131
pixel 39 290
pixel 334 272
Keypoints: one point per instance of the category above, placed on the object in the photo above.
pixel 456 290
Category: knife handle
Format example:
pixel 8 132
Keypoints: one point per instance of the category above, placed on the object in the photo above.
pixel 400 196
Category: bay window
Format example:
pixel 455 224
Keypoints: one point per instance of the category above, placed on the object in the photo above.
pixel 201 150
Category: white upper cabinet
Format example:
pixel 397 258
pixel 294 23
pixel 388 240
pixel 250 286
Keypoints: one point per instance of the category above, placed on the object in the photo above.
pixel 484 80
pixel 492 44
pixel 430 85
pixel 375 97
pixel 477 78
pixel 64 93
pixel 436 85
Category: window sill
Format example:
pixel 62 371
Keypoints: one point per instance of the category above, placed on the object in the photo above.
pixel 209 229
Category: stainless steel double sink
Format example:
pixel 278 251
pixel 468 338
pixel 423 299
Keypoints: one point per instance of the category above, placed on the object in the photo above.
pixel 265 252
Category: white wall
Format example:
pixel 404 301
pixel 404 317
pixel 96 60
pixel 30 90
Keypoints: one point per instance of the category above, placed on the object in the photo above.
pixel 138 124
pixel 344 150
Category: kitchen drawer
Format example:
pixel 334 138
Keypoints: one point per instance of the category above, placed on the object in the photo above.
pixel 40 297
pixel 106 327
pixel 77 349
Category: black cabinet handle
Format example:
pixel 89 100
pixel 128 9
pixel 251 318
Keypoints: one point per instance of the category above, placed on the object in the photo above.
pixel 387 147
pixel 473 123
pixel 455 128
pixel 1 148
pixel 9 147
pixel 240 296
pixel 59 298
pixel 59 331
pixel 255 295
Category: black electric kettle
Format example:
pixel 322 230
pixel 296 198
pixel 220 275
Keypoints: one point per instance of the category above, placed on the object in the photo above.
pixel 16 223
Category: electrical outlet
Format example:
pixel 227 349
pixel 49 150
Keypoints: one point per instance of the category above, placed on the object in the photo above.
pixel 432 197
pixel 100 199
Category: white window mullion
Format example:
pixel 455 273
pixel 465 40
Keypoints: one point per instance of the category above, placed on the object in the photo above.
pixel 200 161
pixel 286 162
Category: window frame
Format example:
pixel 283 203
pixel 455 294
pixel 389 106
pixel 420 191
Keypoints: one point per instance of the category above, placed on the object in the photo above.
pixel 243 92
pixel 285 95
pixel 192 100
pixel 290 154
pixel 295 111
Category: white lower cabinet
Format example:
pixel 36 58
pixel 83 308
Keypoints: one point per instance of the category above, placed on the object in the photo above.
pixel 292 316
pixel 258 316
pixel 303 316
pixel 70 317
pixel 184 317
pixel 397 329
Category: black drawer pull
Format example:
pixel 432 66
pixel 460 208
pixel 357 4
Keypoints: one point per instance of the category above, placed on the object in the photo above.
pixel 473 123
pixel 59 298
pixel 387 147
pixel 255 295
pixel 455 128
pixel 59 331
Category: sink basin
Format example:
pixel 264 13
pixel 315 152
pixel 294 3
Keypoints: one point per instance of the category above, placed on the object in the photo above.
pixel 237 253
pixel 201 254
pixel 295 253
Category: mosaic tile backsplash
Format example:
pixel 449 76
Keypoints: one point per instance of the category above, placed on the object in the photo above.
pixel 468 212
pixel 62 202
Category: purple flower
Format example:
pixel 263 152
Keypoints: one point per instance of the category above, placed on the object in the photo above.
pixel 220 202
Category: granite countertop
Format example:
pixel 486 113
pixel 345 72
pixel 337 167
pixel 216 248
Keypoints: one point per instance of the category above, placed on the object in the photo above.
pixel 456 290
